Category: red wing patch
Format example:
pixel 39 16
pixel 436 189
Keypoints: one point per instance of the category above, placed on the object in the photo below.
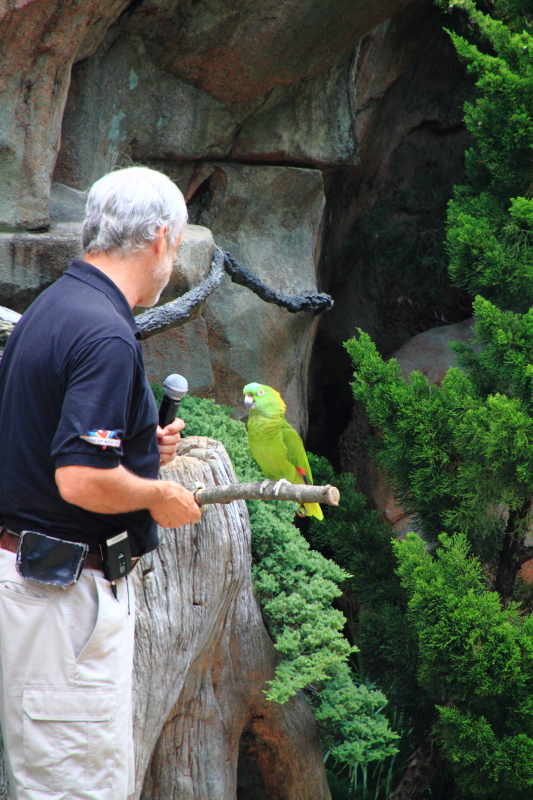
pixel 303 473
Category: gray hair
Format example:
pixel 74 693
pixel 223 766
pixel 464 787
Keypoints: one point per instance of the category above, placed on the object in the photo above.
pixel 126 208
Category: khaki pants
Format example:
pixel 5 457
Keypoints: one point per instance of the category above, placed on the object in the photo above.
pixel 66 659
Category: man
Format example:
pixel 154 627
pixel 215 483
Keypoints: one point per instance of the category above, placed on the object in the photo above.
pixel 72 377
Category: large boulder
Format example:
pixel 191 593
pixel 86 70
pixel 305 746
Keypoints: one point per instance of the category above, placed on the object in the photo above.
pixel 429 353
pixel 269 218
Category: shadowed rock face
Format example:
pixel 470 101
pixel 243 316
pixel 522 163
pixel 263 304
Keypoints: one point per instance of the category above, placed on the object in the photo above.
pixel 384 261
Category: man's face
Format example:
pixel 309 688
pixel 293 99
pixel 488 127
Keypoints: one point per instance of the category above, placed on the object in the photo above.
pixel 161 272
pixel 161 275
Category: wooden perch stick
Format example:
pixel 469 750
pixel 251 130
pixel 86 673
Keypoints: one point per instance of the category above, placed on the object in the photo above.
pixel 299 493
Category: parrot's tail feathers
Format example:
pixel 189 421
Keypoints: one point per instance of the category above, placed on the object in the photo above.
pixel 310 510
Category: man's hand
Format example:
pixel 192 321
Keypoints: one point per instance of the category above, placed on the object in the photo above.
pixel 175 507
pixel 167 440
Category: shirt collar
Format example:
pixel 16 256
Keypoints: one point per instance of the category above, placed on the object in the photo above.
pixel 98 280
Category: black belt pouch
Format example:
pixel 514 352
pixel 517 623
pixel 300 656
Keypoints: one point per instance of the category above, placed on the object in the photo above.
pixel 51 561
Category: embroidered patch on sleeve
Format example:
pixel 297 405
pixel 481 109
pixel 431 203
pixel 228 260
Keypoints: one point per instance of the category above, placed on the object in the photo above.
pixel 102 439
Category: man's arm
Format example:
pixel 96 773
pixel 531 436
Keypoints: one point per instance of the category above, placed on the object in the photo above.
pixel 116 491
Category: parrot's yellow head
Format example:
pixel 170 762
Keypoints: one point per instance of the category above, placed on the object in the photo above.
pixel 263 399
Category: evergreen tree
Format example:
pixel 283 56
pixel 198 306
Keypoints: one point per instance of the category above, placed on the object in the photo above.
pixel 442 621
pixel 490 221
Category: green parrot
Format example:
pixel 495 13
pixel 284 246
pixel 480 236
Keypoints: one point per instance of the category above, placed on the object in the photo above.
pixel 275 445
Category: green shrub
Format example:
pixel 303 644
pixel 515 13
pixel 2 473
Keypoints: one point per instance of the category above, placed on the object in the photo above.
pixel 295 586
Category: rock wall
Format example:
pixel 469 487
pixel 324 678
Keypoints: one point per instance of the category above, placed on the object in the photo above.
pixel 263 112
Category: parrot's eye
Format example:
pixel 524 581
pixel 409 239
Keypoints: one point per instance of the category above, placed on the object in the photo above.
pixel 260 393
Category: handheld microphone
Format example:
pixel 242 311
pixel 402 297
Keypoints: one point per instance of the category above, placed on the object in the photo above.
pixel 175 388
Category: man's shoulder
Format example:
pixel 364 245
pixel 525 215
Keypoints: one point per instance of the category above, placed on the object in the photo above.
pixel 70 320
pixel 77 311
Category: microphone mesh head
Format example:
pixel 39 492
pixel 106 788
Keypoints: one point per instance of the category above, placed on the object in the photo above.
pixel 176 386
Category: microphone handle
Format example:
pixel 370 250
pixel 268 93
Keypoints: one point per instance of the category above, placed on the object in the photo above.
pixel 167 410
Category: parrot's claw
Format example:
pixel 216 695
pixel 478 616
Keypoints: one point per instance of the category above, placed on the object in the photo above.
pixel 263 487
pixel 277 486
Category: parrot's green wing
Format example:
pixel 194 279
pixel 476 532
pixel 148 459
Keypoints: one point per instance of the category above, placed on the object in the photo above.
pixel 295 449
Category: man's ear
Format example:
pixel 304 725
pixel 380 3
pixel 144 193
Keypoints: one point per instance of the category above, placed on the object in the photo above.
pixel 160 243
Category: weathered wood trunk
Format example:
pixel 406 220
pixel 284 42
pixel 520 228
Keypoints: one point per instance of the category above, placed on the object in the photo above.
pixel 203 727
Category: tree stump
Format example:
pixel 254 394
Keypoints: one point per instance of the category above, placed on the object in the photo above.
pixel 203 727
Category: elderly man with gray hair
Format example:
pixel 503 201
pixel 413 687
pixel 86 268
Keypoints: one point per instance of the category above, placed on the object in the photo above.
pixel 80 451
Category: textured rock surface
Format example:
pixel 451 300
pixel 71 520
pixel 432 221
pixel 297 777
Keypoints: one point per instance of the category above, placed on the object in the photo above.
pixel 192 264
pixel 29 262
pixel 240 50
pixel 122 103
pixel 184 350
pixel 312 123
pixel 39 43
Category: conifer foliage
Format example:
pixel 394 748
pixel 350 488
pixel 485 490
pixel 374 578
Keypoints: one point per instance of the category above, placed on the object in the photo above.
pixel 491 218
pixel 451 642
pixel 296 586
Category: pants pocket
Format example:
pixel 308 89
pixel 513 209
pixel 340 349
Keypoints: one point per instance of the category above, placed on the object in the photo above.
pixel 69 738
pixel 25 592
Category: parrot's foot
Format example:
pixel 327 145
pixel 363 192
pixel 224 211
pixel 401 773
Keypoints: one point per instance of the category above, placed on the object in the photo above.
pixel 277 486
pixel 263 487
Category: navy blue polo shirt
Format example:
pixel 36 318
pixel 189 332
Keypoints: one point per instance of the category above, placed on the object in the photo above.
pixel 72 377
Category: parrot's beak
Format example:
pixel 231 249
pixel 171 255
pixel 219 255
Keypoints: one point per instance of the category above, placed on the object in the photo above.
pixel 249 401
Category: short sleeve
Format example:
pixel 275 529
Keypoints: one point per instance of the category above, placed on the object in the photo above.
pixel 98 396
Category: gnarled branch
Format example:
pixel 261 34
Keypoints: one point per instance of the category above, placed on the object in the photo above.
pixel 299 493
pixel 292 302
